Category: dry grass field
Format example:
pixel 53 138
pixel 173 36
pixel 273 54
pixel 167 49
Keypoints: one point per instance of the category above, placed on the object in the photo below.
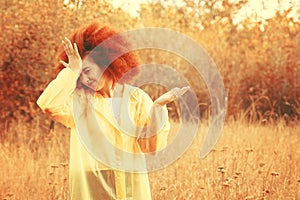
pixel 250 161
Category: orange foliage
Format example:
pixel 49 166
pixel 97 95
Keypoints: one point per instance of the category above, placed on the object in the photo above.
pixel 261 70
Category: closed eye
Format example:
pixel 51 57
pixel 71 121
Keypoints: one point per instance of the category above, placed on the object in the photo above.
pixel 86 70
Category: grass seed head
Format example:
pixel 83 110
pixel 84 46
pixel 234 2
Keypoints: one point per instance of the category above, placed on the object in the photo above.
pixel 237 173
pixel 248 150
pixel 262 164
pixel 64 164
pixel 274 173
pixel 54 166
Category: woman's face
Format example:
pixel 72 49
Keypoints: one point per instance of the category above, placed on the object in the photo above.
pixel 91 74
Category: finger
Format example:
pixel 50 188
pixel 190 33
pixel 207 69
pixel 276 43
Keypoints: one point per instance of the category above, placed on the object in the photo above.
pixel 76 49
pixel 66 47
pixel 180 91
pixel 69 44
pixel 174 91
pixel 64 63
pixel 184 90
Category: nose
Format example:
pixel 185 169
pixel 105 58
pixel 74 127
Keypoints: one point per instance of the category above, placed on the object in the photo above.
pixel 85 79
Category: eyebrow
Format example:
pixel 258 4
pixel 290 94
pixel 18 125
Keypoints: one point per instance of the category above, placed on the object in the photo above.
pixel 85 67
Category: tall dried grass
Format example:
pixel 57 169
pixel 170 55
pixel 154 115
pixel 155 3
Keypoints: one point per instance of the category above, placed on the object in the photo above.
pixel 250 161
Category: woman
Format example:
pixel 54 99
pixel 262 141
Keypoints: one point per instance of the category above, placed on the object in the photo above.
pixel 81 96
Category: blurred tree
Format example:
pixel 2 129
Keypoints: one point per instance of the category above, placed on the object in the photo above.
pixel 30 35
pixel 259 61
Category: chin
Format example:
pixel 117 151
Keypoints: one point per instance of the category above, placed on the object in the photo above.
pixel 92 89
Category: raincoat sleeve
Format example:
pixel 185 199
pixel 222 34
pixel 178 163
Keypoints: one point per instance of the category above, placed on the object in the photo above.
pixel 156 125
pixel 56 99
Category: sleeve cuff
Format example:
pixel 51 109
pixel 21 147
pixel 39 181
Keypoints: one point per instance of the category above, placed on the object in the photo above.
pixel 68 73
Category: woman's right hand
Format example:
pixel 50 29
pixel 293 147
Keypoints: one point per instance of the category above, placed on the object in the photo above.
pixel 75 61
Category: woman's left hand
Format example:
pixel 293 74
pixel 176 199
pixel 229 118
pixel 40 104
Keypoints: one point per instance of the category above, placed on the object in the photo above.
pixel 74 59
pixel 171 95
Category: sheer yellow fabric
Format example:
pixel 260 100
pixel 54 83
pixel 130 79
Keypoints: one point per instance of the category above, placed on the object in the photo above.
pixel 89 178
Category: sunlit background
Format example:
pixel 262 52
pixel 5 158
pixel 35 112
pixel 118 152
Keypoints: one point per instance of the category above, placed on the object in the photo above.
pixel 255 9
pixel 256 47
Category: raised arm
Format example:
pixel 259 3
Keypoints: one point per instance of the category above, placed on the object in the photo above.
pixel 155 119
pixel 56 100
pixel 155 134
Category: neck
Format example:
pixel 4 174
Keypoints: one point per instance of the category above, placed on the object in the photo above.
pixel 115 91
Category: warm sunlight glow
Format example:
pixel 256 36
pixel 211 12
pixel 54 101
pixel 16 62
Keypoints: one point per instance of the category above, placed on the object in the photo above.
pixel 131 7
pixel 260 10
pixel 256 10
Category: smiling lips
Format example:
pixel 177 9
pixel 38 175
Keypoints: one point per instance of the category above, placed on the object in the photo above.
pixel 92 84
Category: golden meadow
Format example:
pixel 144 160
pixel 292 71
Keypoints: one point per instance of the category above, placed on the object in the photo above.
pixel 258 154
pixel 250 161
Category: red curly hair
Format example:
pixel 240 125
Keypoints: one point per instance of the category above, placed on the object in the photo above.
pixel 88 39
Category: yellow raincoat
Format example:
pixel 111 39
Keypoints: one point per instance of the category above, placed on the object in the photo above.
pixel 90 179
